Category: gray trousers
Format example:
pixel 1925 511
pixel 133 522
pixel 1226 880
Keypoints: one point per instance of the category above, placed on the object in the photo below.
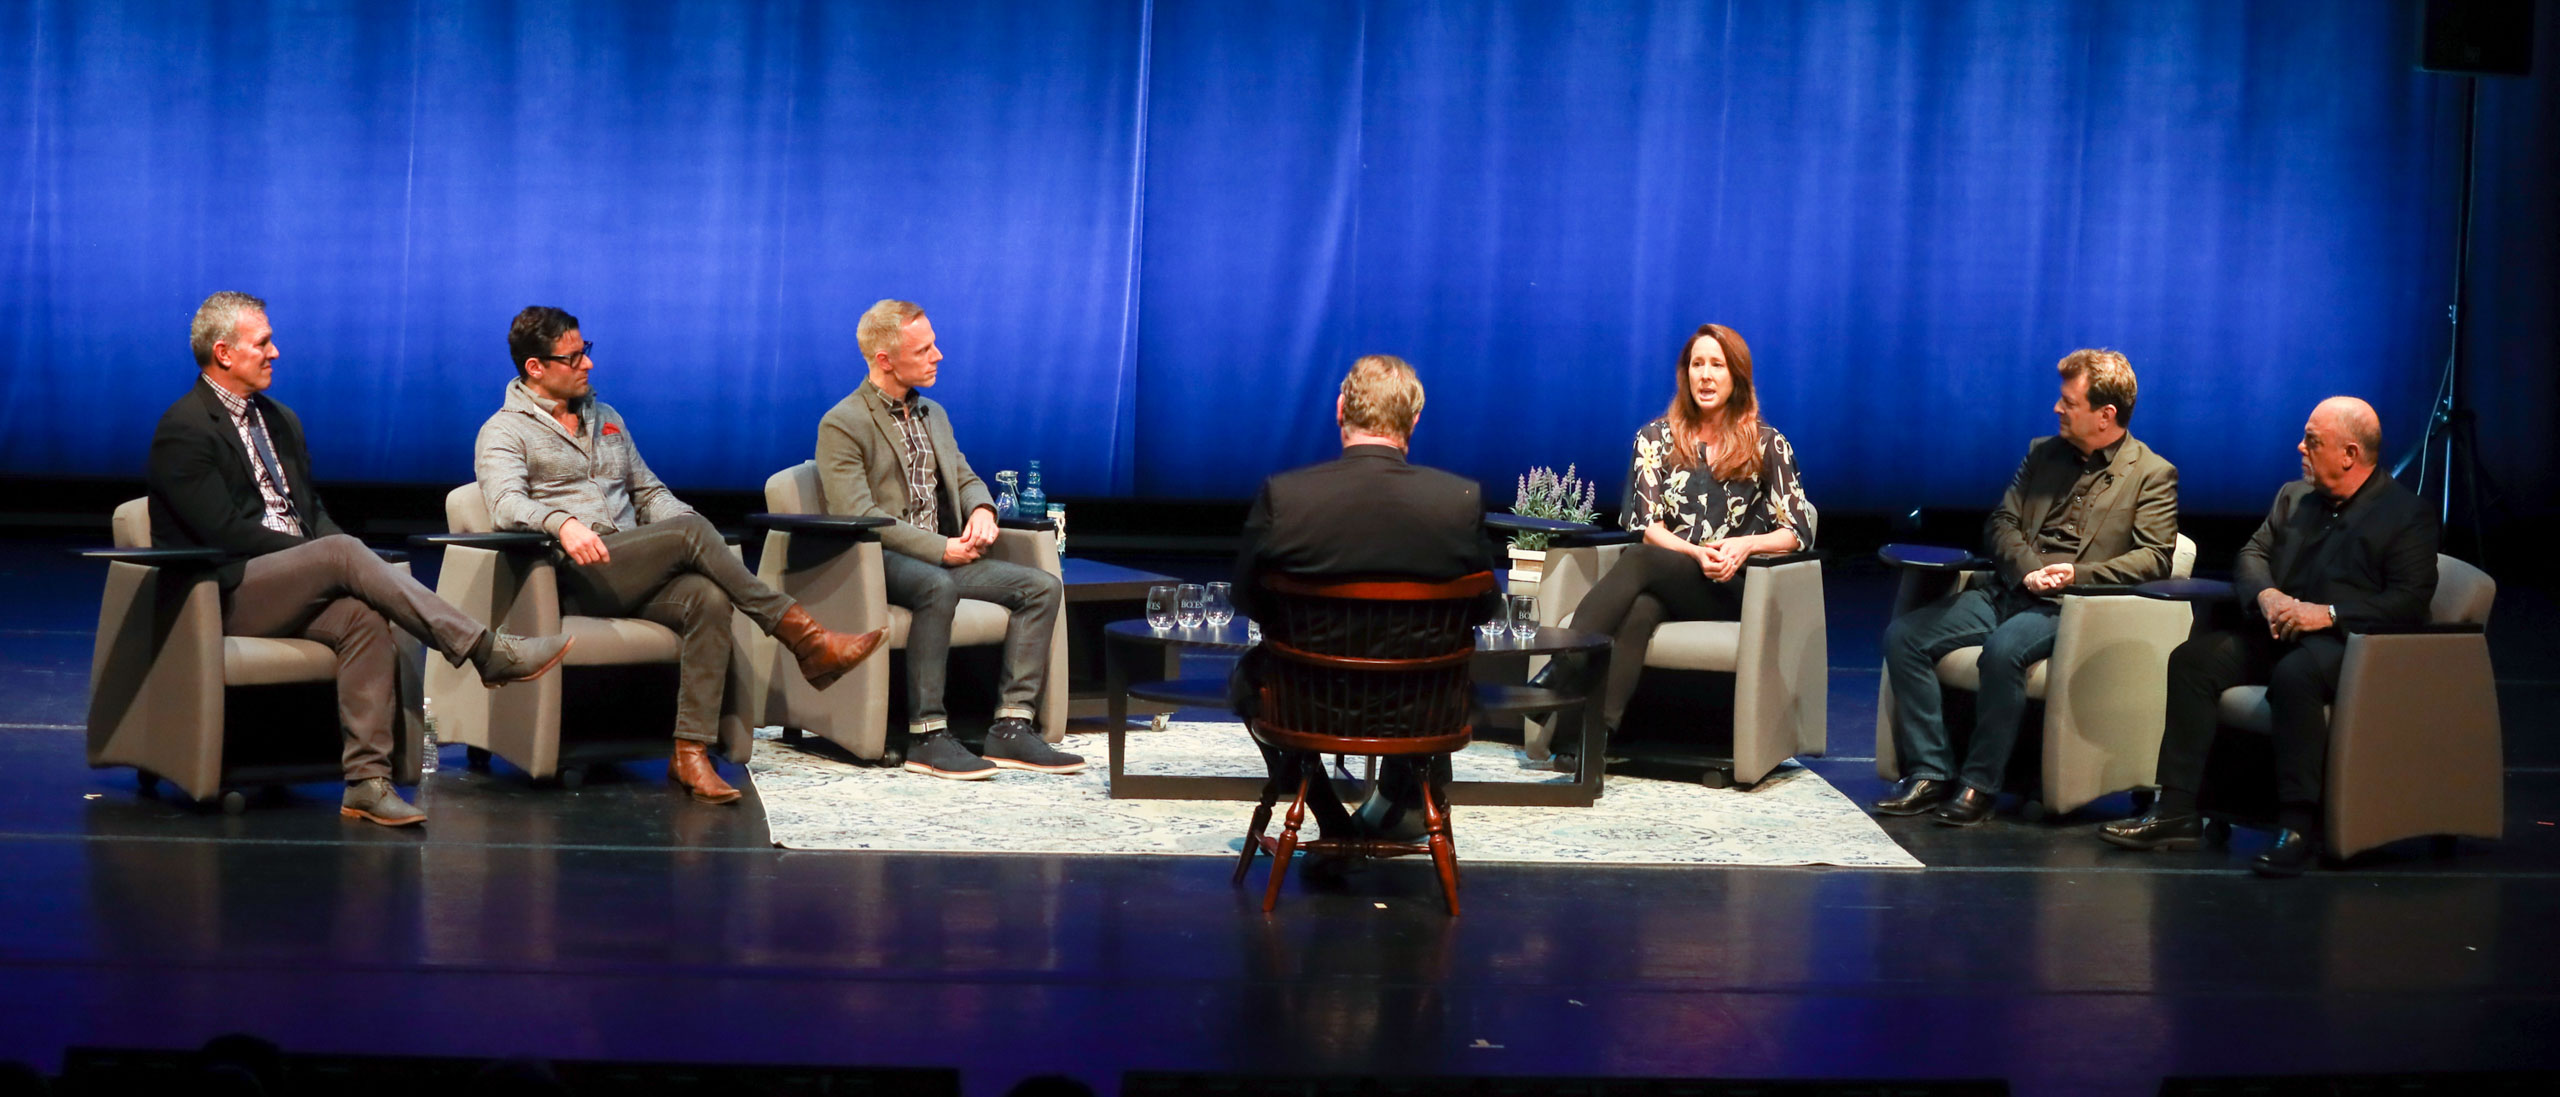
pixel 336 591
pixel 681 574
pixel 931 592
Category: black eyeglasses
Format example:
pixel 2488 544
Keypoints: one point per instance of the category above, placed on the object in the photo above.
pixel 569 359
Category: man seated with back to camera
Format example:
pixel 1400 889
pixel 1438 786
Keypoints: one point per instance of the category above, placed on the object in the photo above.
pixel 2090 504
pixel 2344 547
pixel 1368 513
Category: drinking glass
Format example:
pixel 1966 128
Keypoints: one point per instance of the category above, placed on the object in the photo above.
pixel 1160 598
pixel 1008 500
pixel 1189 611
pixel 1489 632
pixel 1221 607
pixel 1058 517
pixel 1524 617
pixel 1252 631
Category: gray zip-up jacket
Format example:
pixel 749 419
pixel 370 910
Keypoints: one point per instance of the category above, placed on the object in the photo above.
pixel 536 475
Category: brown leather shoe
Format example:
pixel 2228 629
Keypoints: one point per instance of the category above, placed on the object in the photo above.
pixel 692 768
pixel 825 655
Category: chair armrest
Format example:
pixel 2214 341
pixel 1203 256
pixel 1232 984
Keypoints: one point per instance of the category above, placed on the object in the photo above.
pixel 512 542
pixel 2101 590
pixel 1025 523
pixel 1777 559
pixel 2187 590
pixel 391 555
pixel 1595 538
pixel 1521 523
pixel 848 527
pixel 157 557
pixel 1931 558
pixel 2448 628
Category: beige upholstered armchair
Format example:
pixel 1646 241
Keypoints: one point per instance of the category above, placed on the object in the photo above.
pixel 614 696
pixel 832 567
pixel 1778 653
pixel 2105 688
pixel 2414 736
pixel 167 690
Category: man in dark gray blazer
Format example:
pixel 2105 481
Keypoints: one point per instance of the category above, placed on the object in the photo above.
pixel 887 451
pixel 2345 547
pixel 2091 504
pixel 229 471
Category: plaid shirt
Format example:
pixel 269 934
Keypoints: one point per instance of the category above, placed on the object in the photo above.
pixel 253 433
pixel 924 481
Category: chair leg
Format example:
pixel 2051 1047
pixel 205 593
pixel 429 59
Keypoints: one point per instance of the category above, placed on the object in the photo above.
pixel 1289 836
pixel 1444 850
pixel 1253 834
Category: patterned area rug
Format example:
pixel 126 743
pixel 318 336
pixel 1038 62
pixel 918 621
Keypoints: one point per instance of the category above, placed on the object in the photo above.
pixel 813 800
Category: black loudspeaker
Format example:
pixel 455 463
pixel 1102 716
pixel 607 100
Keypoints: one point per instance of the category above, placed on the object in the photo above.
pixel 2476 37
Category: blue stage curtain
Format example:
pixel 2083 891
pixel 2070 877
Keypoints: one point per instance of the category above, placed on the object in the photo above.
pixel 716 189
pixel 1153 233
pixel 1910 210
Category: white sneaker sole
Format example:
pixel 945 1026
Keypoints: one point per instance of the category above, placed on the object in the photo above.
pixel 949 775
pixel 1009 763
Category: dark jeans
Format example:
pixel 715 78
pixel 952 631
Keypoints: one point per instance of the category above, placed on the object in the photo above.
pixel 336 591
pixel 2011 643
pixel 931 593
pixel 681 574
pixel 2301 678
pixel 1648 586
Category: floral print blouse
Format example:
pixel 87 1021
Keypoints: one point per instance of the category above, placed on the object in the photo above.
pixel 1698 509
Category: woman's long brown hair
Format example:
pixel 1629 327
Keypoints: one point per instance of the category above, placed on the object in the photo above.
pixel 1734 433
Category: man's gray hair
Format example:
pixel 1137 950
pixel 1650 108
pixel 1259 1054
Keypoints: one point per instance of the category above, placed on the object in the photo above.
pixel 884 326
pixel 217 320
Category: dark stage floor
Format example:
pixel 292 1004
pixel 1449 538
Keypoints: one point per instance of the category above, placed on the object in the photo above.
pixel 622 921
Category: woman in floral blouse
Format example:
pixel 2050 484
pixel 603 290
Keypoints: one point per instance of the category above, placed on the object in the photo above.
pixel 1709 486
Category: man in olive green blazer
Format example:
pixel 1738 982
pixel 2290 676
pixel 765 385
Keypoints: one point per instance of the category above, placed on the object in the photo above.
pixel 887 451
pixel 2089 505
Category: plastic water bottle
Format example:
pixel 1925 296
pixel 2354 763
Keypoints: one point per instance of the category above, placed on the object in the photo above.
pixel 1034 503
pixel 427 746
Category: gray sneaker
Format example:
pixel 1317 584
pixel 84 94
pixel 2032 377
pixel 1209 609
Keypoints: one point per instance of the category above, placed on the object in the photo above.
pixel 1012 744
pixel 374 801
pixel 520 658
pixel 941 755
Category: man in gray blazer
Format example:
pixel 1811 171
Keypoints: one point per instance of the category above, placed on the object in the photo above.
pixel 2091 504
pixel 887 451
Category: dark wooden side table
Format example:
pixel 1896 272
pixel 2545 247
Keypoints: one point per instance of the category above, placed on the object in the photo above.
pixel 1137 665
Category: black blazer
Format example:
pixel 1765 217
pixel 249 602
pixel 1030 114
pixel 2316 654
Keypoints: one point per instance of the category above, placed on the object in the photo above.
pixel 2374 559
pixel 1366 513
pixel 203 492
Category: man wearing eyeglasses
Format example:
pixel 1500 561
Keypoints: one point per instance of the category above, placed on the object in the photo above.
pixel 556 459
pixel 229 471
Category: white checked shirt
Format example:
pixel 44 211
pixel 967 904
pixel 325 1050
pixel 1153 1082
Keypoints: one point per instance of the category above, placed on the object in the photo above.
pixel 245 419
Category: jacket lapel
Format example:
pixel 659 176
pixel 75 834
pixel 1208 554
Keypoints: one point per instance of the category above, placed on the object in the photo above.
pixel 894 448
pixel 218 420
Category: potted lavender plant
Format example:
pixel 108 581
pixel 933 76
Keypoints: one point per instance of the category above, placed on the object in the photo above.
pixel 1543 494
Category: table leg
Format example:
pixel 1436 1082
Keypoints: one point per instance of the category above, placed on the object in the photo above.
pixel 1592 763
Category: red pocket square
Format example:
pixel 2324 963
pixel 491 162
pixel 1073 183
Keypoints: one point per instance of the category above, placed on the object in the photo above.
pixel 611 429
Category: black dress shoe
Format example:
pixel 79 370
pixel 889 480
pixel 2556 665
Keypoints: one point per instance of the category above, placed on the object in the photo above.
pixel 1912 796
pixel 1968 807
pixel 2155 831
pixel 2290 856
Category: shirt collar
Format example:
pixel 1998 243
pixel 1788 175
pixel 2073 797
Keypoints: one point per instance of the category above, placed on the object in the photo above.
pixel 912 406
pixel 2104 455
pixel 1373 450
pixel 238 406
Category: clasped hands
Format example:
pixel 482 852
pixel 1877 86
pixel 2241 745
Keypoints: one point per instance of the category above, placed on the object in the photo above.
pixel 974 539
pixel 2289 617
pixel 2049 578
pixel 1720 559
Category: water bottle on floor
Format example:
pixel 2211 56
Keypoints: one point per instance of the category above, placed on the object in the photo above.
pixel 427 747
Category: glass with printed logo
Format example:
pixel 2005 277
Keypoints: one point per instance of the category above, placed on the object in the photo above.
pixel 1160 599
pixel 1524 617
pixel 1221 607
pixel 1193 607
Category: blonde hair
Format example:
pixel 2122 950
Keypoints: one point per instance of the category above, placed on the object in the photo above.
pixel 2110 380
pixel 1381 395
pixel 884 326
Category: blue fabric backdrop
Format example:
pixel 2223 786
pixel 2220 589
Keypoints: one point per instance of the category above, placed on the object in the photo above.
pixel 1153 234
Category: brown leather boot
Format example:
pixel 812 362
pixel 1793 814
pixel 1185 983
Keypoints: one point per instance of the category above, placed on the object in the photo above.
pixel 692 768
pixel 825 655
